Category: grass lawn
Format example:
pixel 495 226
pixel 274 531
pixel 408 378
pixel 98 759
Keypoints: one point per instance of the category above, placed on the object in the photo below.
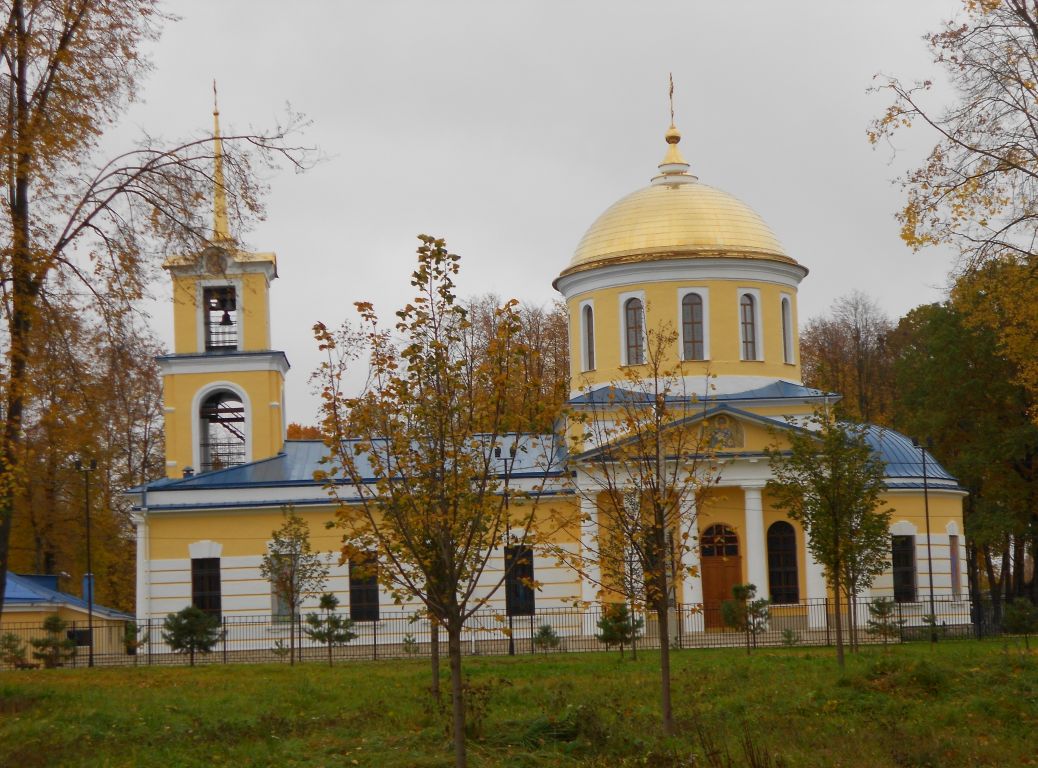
pixel 963 703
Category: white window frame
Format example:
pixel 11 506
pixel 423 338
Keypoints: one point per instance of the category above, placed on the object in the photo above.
pixel 758 326
pixel 624 297
pixel 585 363
pixel 786 317
pixel 704 294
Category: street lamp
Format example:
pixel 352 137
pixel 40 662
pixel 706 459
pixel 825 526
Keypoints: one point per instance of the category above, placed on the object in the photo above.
pixel 508 538
pixel 86 468
pixel 929 553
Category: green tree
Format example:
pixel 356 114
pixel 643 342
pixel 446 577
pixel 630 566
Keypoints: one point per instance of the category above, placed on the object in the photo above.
pixel 79 231
pixel 745 612
pixel 12 650
pixel 617 626
pixel 830 480
pixel 191 630
pixel 329 628
pixel 980 429
pixel 423 452
pixel 546 638
pixel 293 569
pixel 54 647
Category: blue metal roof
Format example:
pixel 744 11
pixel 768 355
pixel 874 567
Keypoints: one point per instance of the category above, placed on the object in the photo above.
pixel 299 459
pixel 903 460
pixel 776 390
pixel 30 590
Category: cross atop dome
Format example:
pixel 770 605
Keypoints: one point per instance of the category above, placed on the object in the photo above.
pixel 674 168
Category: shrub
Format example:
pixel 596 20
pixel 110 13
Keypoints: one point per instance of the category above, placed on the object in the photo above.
pixel 191 631
pixel 883 621
pixel 332 628
pixel 547 639
pixel 746 614
pixel 12 650
pixel 618 627
pixel 1020 618
pixel 54 647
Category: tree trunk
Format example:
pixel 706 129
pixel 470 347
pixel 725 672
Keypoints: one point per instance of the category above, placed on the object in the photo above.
pixel 330 653
pixel 839 618
pixel 457 693
pixel 663 622
pixel 434 654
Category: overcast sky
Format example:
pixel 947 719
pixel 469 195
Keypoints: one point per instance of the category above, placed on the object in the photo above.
pixel 509 127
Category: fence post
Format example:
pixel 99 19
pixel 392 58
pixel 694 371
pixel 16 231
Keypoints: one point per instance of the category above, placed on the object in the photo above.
pixel 825 607
pixel 374 640
pixel 900 624
pixel 223 638
pixel 151 641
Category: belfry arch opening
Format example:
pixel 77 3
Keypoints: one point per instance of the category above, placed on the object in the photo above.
pixel 222 431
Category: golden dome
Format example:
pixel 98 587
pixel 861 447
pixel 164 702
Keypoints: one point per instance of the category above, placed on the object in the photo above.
pixel 676 217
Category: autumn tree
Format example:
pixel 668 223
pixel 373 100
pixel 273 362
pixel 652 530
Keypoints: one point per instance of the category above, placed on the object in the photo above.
pixel 78 230
pixel 544 332
pixel 977 189
pixel 845 352
pixel 415 453
pixel 293 568
pixel 830 480
pixel 646 459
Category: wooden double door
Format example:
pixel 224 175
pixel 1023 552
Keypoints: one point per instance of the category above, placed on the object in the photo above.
pixel 720 569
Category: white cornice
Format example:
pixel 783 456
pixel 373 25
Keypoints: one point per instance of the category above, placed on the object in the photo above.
pixel 678 270
pixel 224 363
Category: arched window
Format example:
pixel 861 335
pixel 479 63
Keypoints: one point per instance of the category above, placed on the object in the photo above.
pixel 783 584
pixel 222 418
pixel 748 326
pixel 719 541
pixel 589 337
pixel 692 327
pixel 787 330
pixel 634 330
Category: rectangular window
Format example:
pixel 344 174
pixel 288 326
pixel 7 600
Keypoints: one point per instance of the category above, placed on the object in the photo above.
pixel 519 593
pixel 205 584
pixel 903 556
pixel 280 606
pixel 220 309
pixel 364 588
pixel 81 637
pixel 956 576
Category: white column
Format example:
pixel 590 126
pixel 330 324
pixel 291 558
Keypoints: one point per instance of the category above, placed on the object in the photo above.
pixel 140 520
pixel 816 588
pixel 590 583
pixel 691 586
pixel 756 556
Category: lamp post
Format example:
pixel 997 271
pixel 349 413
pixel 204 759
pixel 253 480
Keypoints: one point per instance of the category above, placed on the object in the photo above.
pixel 86 468
pixel 929 553
pixel 510 567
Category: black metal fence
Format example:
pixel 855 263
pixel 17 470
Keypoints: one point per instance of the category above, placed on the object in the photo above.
pixel 396 635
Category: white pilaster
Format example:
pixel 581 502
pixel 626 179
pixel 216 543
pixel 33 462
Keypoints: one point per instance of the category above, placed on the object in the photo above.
pixel 816 588
pixel 140 520
pixel 756 556
pixel 590 583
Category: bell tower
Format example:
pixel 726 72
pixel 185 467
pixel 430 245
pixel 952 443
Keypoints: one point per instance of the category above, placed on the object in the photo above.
pixel 223 386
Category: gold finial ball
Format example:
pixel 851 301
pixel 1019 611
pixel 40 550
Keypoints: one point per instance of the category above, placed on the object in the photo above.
pixel 673 135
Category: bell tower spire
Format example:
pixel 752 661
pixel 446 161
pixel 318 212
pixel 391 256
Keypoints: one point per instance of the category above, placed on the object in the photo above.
pixel 221 231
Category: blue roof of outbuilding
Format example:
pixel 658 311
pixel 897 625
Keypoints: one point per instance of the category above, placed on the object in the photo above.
pixel 24 590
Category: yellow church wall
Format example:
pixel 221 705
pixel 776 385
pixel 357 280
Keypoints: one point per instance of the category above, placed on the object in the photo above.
pixel 663 308
pixel 255 328
pixel 265 423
